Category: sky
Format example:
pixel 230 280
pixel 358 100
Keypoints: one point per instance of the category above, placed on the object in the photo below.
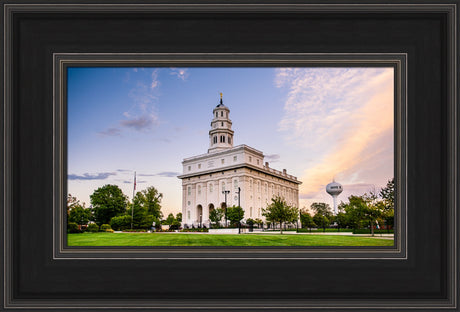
pixel 318 123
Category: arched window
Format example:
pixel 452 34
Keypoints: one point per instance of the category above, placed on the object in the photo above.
pixel 222 139
pixel 215 139
pixel 217 114
pixel 229 140
pixel 221 124
pixel 221 114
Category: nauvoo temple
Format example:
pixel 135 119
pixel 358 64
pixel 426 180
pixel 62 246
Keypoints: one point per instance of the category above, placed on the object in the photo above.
pixel 229 175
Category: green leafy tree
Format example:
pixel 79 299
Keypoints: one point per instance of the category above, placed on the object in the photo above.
pixel 341 219
pixel 388 197
pixel 169 220
pixel 216 215
pixel 321 221
pixel 235 214
pixel 306 220
pixel 108 201
pixel 72 202
pixel 259 222
pixel 364 210
pixel 323 215
pixel 279 211
pixel 79 215
pixel 179 217
pixel 322 209
pixel 140 212
pixel 356 211
pixel 151 201
pixel 388 194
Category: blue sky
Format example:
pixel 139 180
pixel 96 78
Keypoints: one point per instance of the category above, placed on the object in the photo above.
pixel 318 123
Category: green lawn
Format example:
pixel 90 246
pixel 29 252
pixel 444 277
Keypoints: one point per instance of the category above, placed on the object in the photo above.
pixel 164 239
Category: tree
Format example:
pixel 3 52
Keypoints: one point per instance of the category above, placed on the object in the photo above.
pixel 259 222
pixel 322 209
pixel 140 212
pixel 356 210
pixel 323 215
pixel 321 221
pixel 71 203
pixel 388 194
pixel 388 197
pixel 306 220
pixel 341 219
pixel 169 220
pixel 363 210
pixel 179 217
pixel 235 214
pixel 215 215
pixel 151 201
pixel 79 215
pixel 108 201
pixel 279 211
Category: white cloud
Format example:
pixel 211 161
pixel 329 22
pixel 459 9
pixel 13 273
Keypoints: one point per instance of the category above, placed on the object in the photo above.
pixel 181 73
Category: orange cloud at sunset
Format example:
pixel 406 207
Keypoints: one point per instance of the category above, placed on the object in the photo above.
pixel 347 127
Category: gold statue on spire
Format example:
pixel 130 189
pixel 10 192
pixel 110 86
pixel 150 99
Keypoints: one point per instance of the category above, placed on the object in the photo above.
pixel 221 95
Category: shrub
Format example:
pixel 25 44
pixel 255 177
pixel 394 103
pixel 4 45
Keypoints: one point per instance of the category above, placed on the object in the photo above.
pixel 72 227
pixel 105 227
pixel 120 222
pixel 93 227
pixel 195 230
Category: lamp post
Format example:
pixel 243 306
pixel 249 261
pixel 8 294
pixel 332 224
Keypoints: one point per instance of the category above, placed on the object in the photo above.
pixel 225 193
pixel 239 194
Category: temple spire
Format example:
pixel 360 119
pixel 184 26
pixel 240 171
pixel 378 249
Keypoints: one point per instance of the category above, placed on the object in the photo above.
pixel 221 133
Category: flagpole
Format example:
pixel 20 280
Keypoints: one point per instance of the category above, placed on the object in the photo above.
pixel 132 208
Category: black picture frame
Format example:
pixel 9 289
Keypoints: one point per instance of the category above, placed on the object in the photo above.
pixel 36 275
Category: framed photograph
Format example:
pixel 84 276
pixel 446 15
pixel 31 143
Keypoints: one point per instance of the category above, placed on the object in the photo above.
pixel 130 183
pixel 230 176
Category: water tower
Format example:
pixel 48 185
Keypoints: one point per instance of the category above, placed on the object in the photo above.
pixel 334 189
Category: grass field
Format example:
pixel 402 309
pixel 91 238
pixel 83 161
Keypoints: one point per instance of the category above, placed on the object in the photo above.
pixel 163 239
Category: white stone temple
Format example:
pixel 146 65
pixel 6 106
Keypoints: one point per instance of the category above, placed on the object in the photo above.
pixel 230 175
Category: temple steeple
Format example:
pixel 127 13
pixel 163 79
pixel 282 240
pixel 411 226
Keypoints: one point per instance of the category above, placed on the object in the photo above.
pixel 221 133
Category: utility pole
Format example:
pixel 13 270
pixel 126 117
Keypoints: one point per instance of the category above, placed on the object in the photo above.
pixel 132 208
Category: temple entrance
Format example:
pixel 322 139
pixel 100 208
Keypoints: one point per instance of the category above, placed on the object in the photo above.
pixel 210 210
pixel 224 208
pixel 199 215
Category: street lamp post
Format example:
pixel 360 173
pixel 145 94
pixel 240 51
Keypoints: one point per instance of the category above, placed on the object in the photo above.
pixel 239 193
pixel 225 193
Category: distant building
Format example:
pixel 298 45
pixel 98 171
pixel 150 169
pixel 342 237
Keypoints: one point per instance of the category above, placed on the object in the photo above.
pixel 223 168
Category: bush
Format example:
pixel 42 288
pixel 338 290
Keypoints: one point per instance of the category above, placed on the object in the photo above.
pixel 72 227
pixel 195 230
pixel 93 227
pixel 105 227
pixel 368 231
pixel 121 222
